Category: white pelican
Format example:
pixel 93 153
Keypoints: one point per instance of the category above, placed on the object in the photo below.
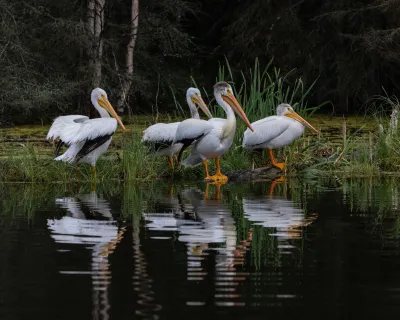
pixel 87 138
pixel 276 131
pixel 214 137
pixel 160 136
pixel 89 224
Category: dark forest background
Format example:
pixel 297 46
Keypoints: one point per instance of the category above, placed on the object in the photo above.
pixel 52 53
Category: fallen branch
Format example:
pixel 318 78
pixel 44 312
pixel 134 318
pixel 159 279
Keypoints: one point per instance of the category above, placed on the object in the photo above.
pixel 265 173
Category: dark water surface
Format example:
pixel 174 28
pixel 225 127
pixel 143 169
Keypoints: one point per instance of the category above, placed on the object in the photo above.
pixel 291 249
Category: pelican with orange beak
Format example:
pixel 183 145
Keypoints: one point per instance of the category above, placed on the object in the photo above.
pixel 159 136
pixel 87 139
pixel 276 132
pixel 211 139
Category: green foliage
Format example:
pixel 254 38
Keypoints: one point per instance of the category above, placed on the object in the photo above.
pixel 260 90
pixel 45 65
pixel 33 77
pixel 259 93
pixel 350 45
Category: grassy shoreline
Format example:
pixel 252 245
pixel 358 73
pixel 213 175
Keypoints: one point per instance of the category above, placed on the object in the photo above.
pixel 129 160
pixel 372 148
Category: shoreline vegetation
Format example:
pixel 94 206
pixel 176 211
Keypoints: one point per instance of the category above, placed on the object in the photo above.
pixel 25 156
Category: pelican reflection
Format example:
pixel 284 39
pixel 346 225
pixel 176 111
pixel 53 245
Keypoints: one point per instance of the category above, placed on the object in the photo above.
pixel 284 216
pixel 215 230
pixel 89 223
pixel 208 228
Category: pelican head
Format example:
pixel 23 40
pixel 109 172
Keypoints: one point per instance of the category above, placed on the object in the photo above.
pixel 286 110
pixel 224 90
pixel 100 101
pixel 194 95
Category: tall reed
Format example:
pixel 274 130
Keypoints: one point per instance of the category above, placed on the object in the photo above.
pixel 259 91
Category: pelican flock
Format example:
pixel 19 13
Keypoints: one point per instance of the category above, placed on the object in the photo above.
pixel 276 132
pixel 212 138
pixel 87 139
pixel 160 136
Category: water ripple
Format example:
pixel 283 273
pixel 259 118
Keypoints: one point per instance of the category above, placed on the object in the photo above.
pixel 89 224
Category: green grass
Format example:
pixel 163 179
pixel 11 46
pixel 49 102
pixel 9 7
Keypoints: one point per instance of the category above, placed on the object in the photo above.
pixel 357 149
pixel 260 90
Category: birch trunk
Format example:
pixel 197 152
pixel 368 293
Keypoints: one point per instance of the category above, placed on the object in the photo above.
pixel 95 25
pixel 90 34
pixel 127 78
pixel 98 41
pixel 90 21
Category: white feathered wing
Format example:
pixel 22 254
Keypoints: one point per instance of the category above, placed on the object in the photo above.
pixel 272 132
pixel 189 132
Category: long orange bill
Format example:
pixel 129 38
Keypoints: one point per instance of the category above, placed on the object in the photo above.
pixel 297 117
pixel 200 102
pixel 231 100
pixel 107 105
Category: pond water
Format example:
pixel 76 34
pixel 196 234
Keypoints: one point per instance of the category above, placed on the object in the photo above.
pixel 304 248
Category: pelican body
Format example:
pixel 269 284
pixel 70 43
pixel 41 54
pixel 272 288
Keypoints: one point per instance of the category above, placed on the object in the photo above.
pixel 212 138
pixel 276 131
pixel 87 139
pixel 160 136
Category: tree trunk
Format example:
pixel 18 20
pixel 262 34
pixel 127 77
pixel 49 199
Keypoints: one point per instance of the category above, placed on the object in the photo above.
pixel 98 45
pixel 95 25
pixel 90 31
pixel 90 18
pixel 127 79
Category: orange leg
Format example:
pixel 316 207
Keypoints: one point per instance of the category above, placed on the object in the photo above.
pixel 273 184
pixel 218 176
pixel 94 171
pixel 217 191
pixel 280 165
pixel 205 163
pixel 206 192
pixel 171 162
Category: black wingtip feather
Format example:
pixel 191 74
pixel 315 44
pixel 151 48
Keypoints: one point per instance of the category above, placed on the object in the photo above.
pixel 58 147
pixel 181 152
pixel 91 145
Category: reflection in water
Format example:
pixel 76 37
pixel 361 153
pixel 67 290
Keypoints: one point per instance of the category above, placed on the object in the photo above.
pixel 141 281
pixel 283 218
pixel 279 214
pixel 89 223
pixel 212 229
pixel 215 226
pixel 230 249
